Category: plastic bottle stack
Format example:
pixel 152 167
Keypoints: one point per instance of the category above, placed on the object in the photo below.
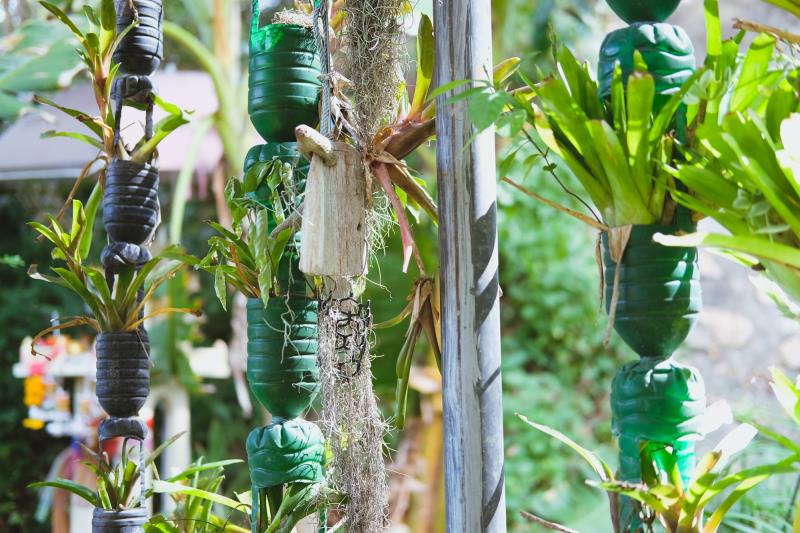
pixel 282 367
pixel 656 400
pixel 131 213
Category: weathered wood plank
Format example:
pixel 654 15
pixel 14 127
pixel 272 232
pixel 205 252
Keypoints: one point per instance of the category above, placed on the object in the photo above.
pixel 473 418
pixel 334 227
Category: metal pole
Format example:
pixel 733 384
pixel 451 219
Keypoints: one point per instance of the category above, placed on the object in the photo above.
pixel 473 414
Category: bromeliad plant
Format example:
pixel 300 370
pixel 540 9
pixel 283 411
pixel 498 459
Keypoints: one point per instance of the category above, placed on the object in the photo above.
pixel 742 168
pixel 97 47
pixel 664 497
pixel 615 147
pixel 247 256
pixel 117 484
pixel 114 306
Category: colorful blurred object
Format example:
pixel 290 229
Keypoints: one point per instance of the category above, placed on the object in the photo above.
pixel 59 386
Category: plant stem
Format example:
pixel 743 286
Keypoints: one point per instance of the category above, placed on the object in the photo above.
pixel 571 212
pixel 782 35
pixel 545 523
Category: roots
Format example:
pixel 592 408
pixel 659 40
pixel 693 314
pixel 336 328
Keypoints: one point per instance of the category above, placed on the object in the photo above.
pixel 352 423
pixel 374 44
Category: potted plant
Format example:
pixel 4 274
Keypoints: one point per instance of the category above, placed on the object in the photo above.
pixel 118 506
pixel 259 262
pixel 742 169
pixel 284 86
pixel 664 494
pixel 129 166
pixel 617 149
pixel 117 311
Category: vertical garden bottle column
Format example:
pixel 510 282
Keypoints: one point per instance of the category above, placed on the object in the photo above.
pixel 284 89
pixel 655 400
pixel 131 213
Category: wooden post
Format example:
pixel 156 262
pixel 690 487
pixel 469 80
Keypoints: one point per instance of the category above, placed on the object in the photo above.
pixel 473 414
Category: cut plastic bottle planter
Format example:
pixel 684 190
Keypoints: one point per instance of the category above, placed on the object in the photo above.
pixel 284 84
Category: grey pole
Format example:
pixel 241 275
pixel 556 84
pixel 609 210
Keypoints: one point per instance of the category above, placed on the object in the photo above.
pixel 473 413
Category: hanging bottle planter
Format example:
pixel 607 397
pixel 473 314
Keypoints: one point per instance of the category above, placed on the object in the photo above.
pixel 123 372
pixel 656 298
pixel 284 84
pixel 658 291
pixel 121 521
pixel 644 10
pixel 659 401
pixel 281 354
pixel 334 224
pixel 131 210
pixel 666 49
pixel 142 49
pixel 285 452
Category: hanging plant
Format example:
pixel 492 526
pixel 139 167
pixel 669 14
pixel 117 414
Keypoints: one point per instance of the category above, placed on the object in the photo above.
pixel 114 309
pixel 247 256
pixel 98 46
pixel 118 506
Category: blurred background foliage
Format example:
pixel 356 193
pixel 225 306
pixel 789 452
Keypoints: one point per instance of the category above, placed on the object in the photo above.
pixel 555 366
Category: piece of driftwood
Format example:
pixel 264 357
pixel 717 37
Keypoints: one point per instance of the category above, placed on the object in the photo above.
pixel 334 227
pixel 310 142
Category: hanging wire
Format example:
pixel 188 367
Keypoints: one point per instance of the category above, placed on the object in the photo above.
pixel 322 36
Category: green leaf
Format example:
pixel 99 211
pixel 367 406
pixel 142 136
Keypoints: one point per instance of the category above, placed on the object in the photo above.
pixel 82 117
pixel 485 108
pixel 92 205
pixel 80 289
pixel 760 247
pixel 108 25
pixel 755 66
pixel 91 141
pixel 91 16
pixel 166 487
pixel 151 459
pixel 203 467
pixel 511 123
pixel 640 98
pixel 446 88
pixel 220 289
pixel 425 64
pixel 713 28
pixel 636 491
pixel 787 393
pixel 159 524
pixel 99 282
pixel 78 490
pixel 64 18
pixel 505 69
pixel 600 467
